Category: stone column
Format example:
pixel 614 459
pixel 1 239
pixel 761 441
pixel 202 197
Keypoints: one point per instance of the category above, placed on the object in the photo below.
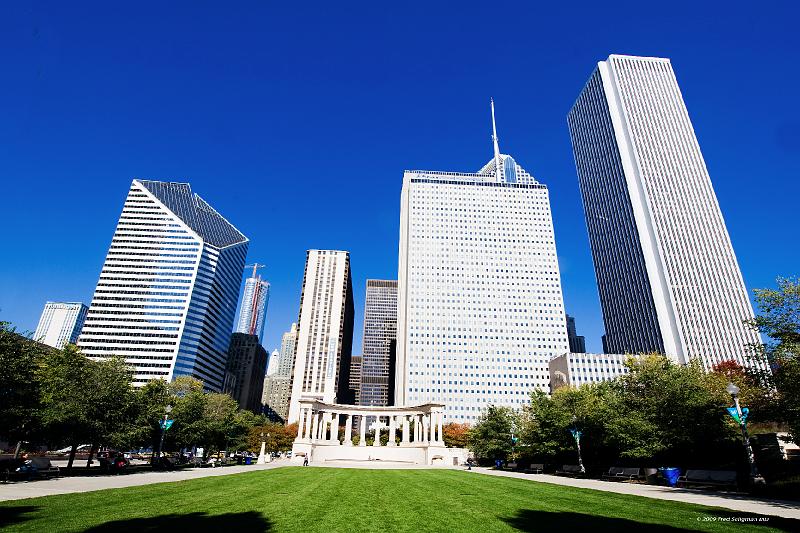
pixel 315 427
pixel 425 427
pixel 417 428
pixel 335 428
pixel 300 424
pixel 405 431
pixel 307 428
pixel 433 427
pixel 377 438
pixel 439 417
pixel 392 429
pixel 362 439
pixel 348 430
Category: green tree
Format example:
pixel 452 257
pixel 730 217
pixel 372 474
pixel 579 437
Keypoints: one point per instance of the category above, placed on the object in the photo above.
pixel 19 387
pixel 64 378
pixel 779 320
pixel 490 438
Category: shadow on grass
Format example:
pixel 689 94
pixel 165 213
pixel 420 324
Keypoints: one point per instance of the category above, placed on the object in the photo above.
pixel 250 521
pixel 15 515
pixel 543 521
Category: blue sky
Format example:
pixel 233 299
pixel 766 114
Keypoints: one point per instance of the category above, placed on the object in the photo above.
pixel 296 122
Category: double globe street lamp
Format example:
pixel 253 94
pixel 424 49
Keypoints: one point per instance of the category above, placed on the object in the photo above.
pixel 740 415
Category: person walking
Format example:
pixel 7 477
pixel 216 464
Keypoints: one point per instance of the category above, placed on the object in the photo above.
pixel 305 460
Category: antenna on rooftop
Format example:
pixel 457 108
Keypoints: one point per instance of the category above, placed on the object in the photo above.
pixel 496 144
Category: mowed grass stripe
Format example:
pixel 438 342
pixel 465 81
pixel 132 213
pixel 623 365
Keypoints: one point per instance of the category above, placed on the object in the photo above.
pixel 330 500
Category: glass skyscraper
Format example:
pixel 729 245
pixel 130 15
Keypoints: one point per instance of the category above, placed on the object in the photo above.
pixel 253 310
pixel 168 289
pixel 380 343
pixel 666 271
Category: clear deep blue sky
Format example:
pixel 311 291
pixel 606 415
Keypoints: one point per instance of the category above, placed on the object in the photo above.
pixel 296 123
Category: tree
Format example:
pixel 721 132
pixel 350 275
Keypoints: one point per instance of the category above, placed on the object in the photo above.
pixel 490 438
pixel 64 378
pixel 455 435
pixel 779 320
pixel 19 388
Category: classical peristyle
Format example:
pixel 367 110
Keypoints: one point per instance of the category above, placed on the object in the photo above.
pixel 418 430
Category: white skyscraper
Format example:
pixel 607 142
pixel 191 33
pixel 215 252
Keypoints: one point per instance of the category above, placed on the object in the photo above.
pixel 666 271
pixel 168 289
pixel 325 331
pixel 60 323
pixel 272 365
pixel 480 310
pixel 253 309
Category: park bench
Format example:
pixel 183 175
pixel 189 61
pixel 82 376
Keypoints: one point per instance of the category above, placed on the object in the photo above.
pixel 569 470
pixel 535 468
pixel 617 473
pixel 712 478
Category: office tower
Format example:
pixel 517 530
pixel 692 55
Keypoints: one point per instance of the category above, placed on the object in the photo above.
pixel 480 310
pixel 576 369
pixel 666 271
pixel 380 343
pixel 244 372
pixel 325 331
pixel 278 386
pixel 355 377
pixel 272 363
pixel 168 289
pixel 288 347
pixel 253 310
pixel 577 343
pixel 60 323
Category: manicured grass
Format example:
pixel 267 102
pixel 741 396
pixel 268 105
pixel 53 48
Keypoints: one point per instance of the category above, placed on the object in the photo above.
pixel 371 501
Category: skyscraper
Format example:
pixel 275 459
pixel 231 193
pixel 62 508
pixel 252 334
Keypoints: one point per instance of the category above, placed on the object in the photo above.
pixel 380 343
pixel 272 362
pixel 253 309
pixel 168 289
pixel 480 310
pixel 666 271
pixel 278 386
pixel 60 323
pixel 577 343
pixel 325 332
pixel 244 372
pixel 288 347
pixel 355 377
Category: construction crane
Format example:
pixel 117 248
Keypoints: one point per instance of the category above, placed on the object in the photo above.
pixel 255 267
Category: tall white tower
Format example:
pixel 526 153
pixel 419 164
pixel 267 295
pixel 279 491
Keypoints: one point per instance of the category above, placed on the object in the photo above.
pixel 168 289
pixel 60 323
pixel 480 309
pixel 325 331
pixel 666 272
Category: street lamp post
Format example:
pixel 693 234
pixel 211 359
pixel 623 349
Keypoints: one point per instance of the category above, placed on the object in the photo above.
pixel 262 457
pixel 577 435
pixel 755 478
pixel 163 425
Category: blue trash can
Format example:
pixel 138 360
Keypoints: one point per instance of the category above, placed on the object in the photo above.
pixel 248 460
pixel 671 475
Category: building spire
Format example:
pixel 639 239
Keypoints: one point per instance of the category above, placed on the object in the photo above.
pixel 496 144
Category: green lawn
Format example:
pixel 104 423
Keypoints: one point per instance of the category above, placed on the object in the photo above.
pixel 371 501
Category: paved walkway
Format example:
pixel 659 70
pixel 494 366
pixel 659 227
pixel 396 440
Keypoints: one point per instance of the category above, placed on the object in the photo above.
pixel 736 502
pixel 65 485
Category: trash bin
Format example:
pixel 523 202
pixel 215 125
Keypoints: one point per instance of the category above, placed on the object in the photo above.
pixel 248 460
pixel 671 475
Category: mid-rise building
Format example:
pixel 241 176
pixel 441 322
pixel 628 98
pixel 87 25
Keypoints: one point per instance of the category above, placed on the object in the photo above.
pixel 480 309
pixel 576 369
pixel 253 309
pixel 667 275
pixel 325 331
pixel 380 343
pixel 168 289
pixel 355 378
pixel 288 347
pixel 60 323
pixel 577 343
pixel 244 373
